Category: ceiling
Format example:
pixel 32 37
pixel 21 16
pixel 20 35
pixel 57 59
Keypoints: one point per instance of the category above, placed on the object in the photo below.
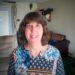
pixel 30 1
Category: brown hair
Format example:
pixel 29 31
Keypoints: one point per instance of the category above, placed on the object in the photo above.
pixel 32 16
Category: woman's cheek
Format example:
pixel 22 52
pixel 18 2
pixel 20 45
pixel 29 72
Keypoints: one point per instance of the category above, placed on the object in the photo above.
pixel 27 33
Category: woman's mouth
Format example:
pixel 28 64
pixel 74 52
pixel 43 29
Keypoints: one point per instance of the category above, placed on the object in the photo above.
pixel 34 36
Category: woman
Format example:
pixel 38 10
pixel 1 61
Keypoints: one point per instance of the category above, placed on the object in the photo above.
pixel 34 56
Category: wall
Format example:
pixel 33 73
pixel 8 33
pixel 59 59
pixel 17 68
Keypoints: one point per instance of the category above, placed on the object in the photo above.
pixel 63 19
pixel 22 9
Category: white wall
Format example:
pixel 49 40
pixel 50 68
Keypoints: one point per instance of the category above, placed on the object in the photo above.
pixel 22 10
pixel 63 19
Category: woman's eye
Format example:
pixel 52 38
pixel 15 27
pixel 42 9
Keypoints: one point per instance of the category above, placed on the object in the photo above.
pixel 28 26
pixel 38 25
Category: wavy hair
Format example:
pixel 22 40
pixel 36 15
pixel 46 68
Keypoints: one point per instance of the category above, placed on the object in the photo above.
pixel 36 17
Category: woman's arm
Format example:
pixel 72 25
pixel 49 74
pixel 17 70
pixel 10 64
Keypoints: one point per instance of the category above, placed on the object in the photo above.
pixel 11 68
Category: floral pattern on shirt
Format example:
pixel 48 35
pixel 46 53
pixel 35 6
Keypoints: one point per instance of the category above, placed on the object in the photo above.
pixel 51 53
pixel 44 61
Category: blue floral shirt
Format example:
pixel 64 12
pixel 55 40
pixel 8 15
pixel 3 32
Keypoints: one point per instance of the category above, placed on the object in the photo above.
pixel 26 64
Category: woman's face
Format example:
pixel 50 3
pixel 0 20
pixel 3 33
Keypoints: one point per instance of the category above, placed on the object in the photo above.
pixel 33 32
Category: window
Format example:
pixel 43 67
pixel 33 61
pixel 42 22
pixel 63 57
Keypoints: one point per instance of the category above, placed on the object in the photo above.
pixel 6 20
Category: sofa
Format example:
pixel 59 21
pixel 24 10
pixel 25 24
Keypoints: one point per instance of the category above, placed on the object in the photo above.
pixel 60 42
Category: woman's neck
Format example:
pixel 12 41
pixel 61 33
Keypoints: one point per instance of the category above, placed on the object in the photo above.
pixel 36 49
pixel 34 46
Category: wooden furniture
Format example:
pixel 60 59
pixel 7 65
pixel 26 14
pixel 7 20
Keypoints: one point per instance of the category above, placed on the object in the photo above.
pixel 63 47
pixel 60 42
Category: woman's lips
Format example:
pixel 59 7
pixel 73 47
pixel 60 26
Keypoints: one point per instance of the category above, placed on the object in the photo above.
pixel 34 36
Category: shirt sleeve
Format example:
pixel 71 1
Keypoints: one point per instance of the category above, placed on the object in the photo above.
pixel 60 67
pixel 11 67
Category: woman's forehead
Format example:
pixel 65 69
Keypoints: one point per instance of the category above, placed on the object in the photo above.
pixel 34 22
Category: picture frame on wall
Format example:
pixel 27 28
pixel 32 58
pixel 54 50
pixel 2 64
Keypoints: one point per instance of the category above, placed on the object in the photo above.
pixel 47 13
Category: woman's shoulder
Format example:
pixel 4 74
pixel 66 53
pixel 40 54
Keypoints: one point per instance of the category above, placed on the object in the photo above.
pixel 18 50
pixel 51 53
pixel 53 49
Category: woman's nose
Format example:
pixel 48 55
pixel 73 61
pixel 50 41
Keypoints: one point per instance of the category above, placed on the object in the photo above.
pixel 33 28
